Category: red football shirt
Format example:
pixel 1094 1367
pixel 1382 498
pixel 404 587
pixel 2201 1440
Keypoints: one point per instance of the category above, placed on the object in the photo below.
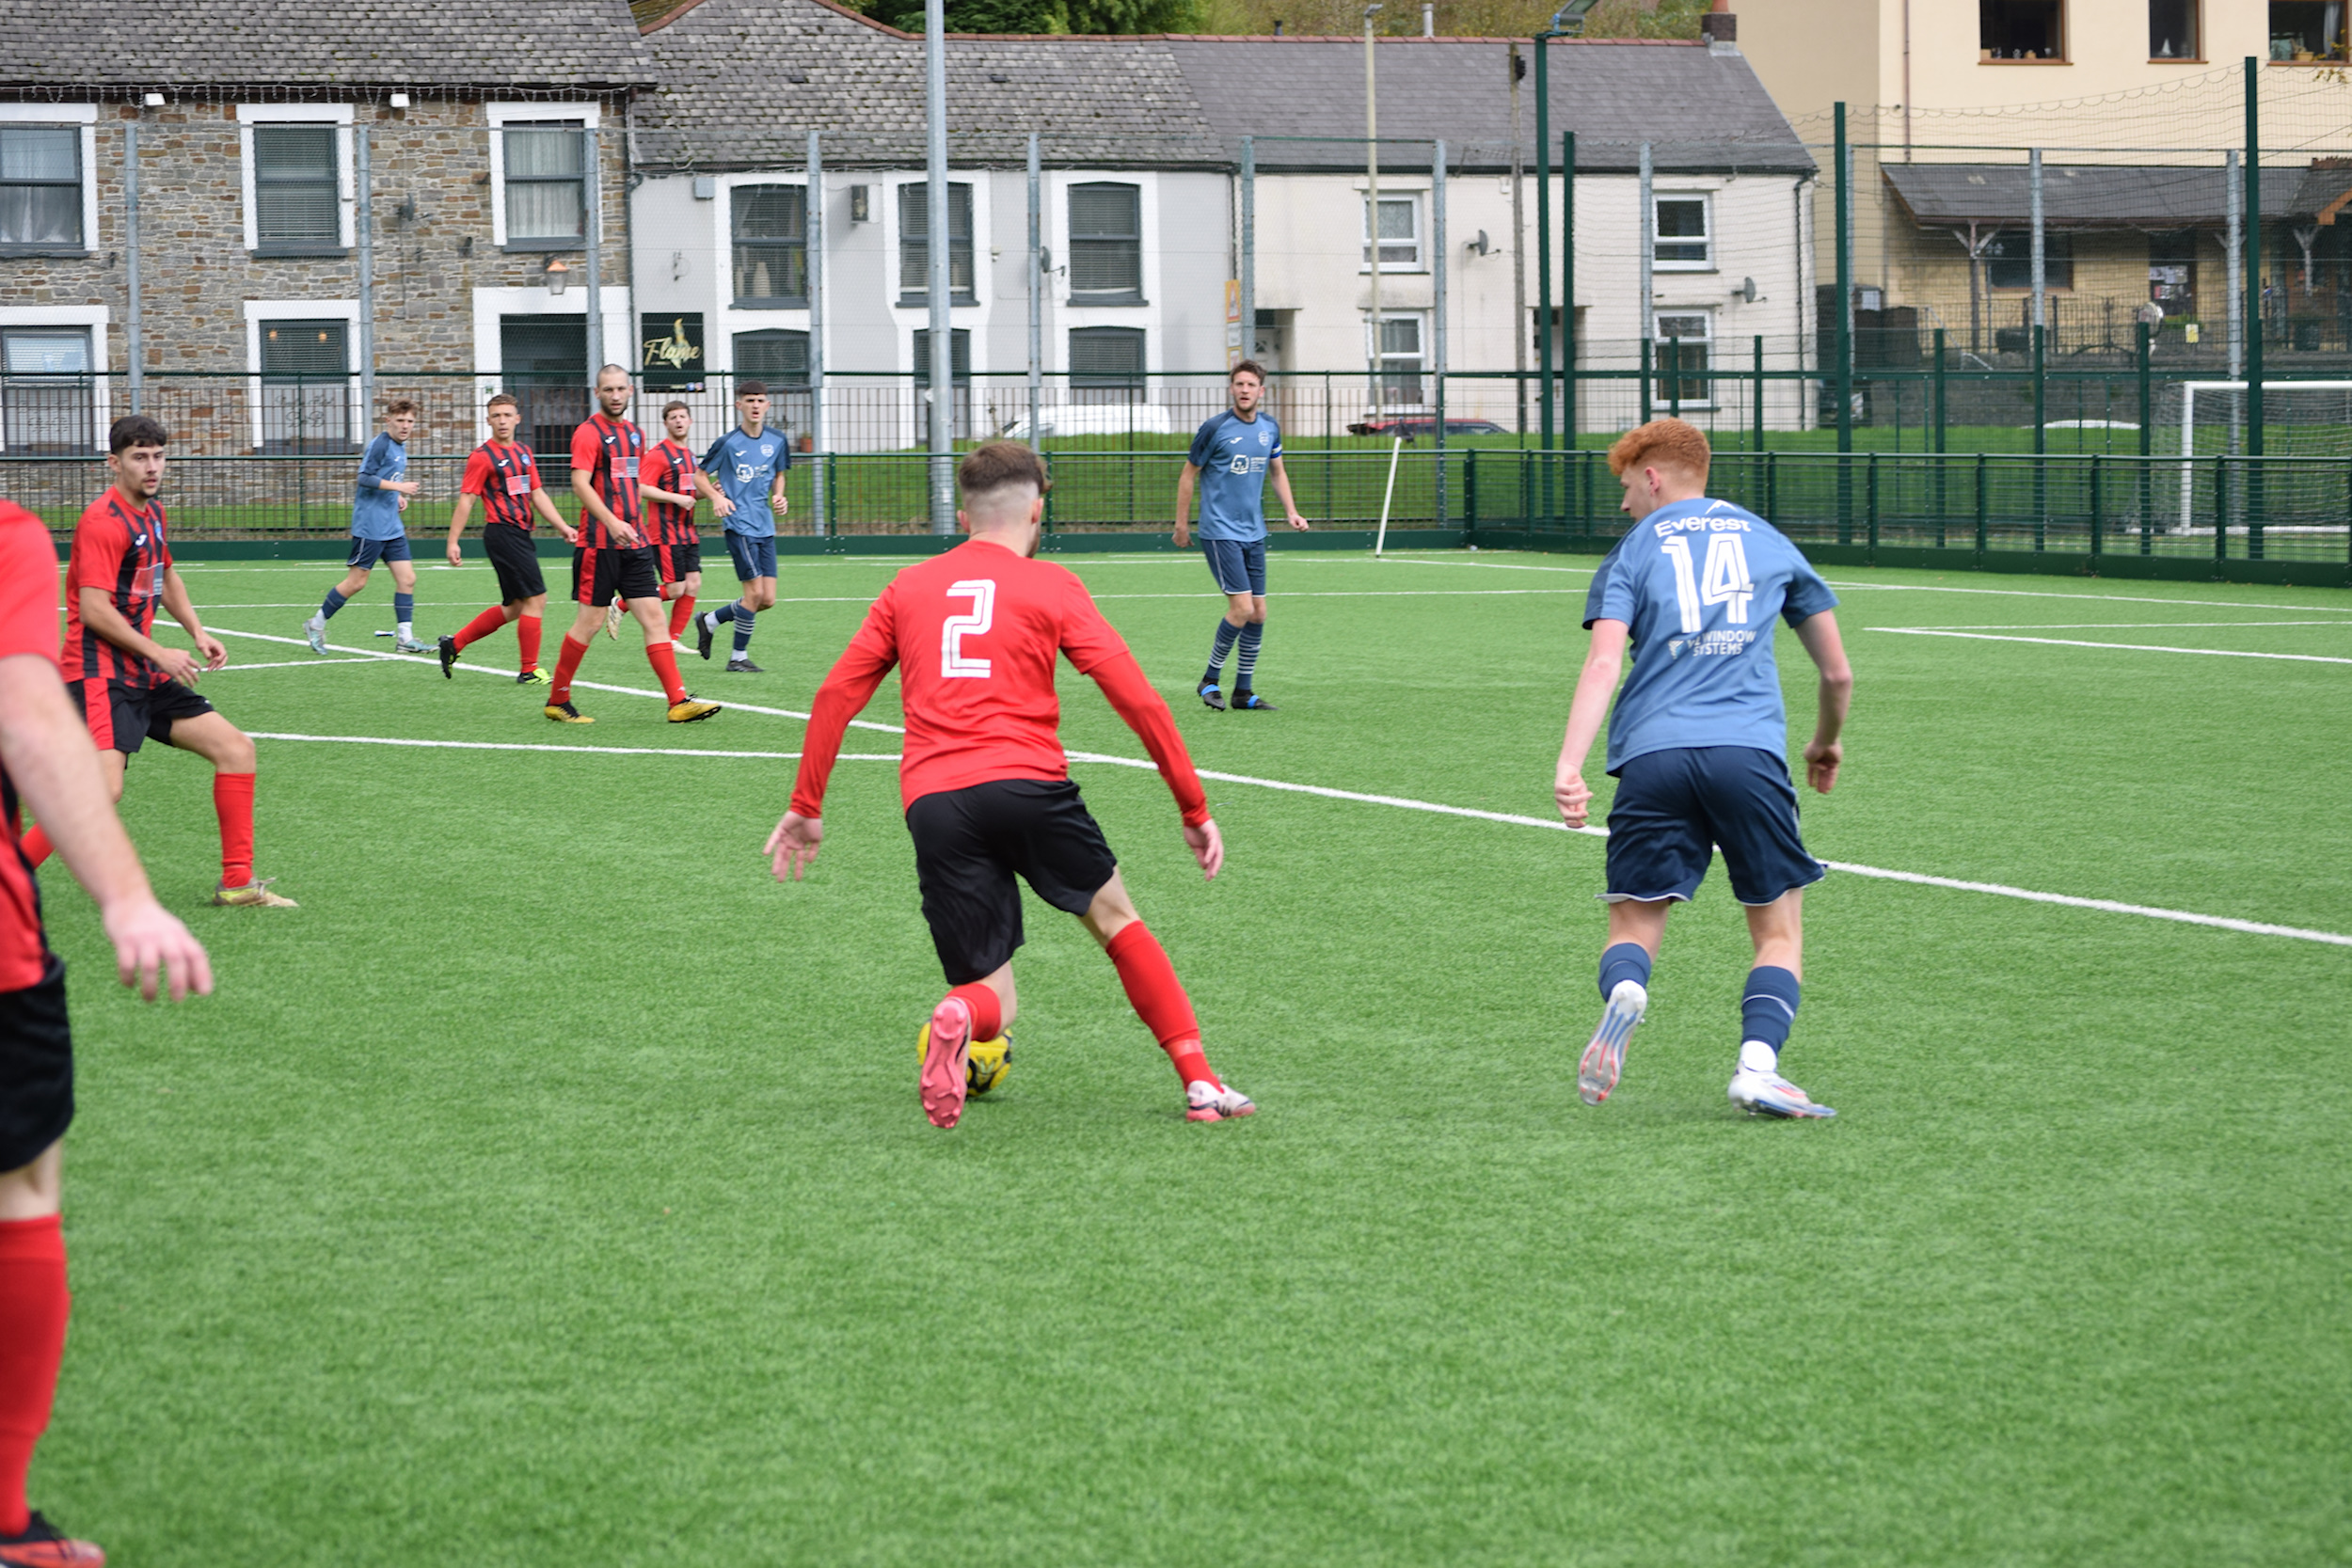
pixel 504 474
pixel 29 625
pixel 610 450
pixel 120 548
pixel 668 466
pixel 974 634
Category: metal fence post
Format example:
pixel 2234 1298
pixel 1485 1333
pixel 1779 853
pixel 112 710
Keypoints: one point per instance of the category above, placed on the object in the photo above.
pixel 364 223
pixel 1470 497
pixel 1543 253
pixel 1673 376
pixel 1984 503
pixel 2220 508
pixel 1936 445
pixel 2096 499
pixel 592 238
pixel 2040 438
pixel 1755 410
pixel 821 509
pixel 1871 514
pixel 2254 435
pixel 1567 290
pixel 1771 486
pixel 2147 439
pixel 131 346
pixel 1438 266
pixel 1648 362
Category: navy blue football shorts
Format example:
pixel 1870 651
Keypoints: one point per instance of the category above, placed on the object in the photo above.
pixel 753 558
pixel 1672 807
pixel 365 553
pixel 1238 565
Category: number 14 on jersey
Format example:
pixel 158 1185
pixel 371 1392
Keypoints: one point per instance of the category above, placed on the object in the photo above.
pixel 1723 580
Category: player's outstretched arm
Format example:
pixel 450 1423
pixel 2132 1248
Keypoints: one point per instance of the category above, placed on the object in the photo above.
pixel 46 749
pixel 182 610
pixel 849 686
pixel 1603 663
pixel 1823 754
pixel 1138 704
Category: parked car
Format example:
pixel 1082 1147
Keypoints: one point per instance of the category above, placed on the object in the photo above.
pixel 1413 426
pixel 1092 419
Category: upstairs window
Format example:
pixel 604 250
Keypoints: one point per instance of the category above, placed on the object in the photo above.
pixel 1400 233
pixel 2308 30
pixel 1681 234
pixel 40 187
pixel 915 278
pixel 2021 30
pixel 297 194
pixel 2172 30
pixel 771 245
pixel 1106 244
pixel 546 185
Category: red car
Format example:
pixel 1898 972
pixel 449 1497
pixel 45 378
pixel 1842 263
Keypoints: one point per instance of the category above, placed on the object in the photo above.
pixel 1411 427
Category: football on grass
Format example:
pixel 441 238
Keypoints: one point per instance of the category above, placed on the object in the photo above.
pixel 986 1062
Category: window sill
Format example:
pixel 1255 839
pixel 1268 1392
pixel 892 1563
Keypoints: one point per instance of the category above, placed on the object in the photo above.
pixel 2177 60
pixel 540 248
pixel 2025 62
pixel 922 302
pixel 2338 62
pixel 56 253
pixel 782 303
pixel 300 252
pixel 1085 302
pixel 1685 268
pixel 1396 269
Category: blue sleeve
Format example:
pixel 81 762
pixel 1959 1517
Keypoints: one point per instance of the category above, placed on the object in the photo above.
pixel 783 457
pixel 1808 596
pixel 1203 440
pixel 1612 595
pixel 374 463
pixel 711 462
pixel 1276 455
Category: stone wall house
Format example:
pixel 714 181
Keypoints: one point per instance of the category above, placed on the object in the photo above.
pixel 486 130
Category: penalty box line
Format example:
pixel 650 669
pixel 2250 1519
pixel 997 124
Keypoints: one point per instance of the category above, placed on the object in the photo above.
pixel 2186 917
pixel 2126 647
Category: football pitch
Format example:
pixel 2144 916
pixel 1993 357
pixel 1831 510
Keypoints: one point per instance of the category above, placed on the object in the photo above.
pixel 551 1188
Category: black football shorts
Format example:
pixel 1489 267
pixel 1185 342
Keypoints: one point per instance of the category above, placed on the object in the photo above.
pixel 124 718
pixel 601 576
pixel 970 843
pixel 516 559
pixel 36 1067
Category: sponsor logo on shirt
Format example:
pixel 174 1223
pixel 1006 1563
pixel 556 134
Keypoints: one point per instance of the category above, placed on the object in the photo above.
pixel 1713 643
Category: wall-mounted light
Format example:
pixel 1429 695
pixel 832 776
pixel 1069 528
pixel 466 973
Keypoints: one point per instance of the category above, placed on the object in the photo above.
pixel 557 274
pixel 859 209
pixel 154 100
pixel 399 100
pixel 706 187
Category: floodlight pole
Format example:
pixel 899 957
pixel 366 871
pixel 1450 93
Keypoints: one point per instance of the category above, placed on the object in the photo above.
pixel 2253 311
pixel 1249 247
pixel 939 245
pixel 815 208
pixel 1438 268
pixel 364 222
pixel 131 342
pixel 1372 207
pixel 592 237
pixel 1037 293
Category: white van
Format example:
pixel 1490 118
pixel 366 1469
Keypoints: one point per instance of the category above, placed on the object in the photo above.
pixel 1092 419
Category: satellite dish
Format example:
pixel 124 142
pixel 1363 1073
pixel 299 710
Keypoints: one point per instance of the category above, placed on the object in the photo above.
pixel 1747 291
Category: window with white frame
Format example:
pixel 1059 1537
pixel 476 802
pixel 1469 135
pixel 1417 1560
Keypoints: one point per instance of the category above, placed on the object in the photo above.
pixel 545 168
pixel 305 384
pixel 297 187
pixel 1684 342
pixel 1106 364
pixel 40 188
pixel 914 255
pixel 1400 234
pixel 1106 243
pixel 1683 233
pixel 47 394
pixel 1401 362
pixel 770 225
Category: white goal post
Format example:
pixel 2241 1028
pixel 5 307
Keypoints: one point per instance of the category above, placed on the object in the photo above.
pixel 2188 426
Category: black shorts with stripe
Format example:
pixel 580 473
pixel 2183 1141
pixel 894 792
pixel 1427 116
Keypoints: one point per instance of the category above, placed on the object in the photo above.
pixel 124 718
pixel 678 558
pixel 36 1067
pixel 970 843
pixel 516 559
pixel 601 576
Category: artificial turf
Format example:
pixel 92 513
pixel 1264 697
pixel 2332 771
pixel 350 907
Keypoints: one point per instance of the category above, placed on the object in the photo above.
pixel 551 1188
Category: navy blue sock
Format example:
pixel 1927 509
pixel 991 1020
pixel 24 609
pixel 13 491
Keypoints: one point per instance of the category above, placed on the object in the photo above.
pixel 725 613
pixel 742 619
pixel 1251 635
pixel 333 602
pixel 1769 1005
pixel 1226 632
pixel 404 608
pixel 1626 960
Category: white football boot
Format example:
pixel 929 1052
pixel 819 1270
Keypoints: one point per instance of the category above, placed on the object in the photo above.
pixel 1596 1070
pixel 1758 1088
pixel 1207 1101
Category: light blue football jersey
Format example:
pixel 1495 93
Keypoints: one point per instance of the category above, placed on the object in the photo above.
pixel 1699 582
pixel 1231 453
pixel 744 468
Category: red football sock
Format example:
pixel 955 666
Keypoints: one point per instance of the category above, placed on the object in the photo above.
pixel 681 612
pixel 988 1009
pixel 233 801
pixel 33 1307
pixel 527 630
pixel 566 665
pixel 1158 998
pixel 35 844
pixel 481 626
pixel 671 590
pixel 664 662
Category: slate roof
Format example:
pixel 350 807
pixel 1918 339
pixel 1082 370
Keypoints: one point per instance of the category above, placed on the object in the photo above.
pixel 214 46
pixel 729 99
pixel 2106 195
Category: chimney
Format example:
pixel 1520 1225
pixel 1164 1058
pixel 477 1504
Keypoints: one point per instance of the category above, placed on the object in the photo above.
pixel 1720 29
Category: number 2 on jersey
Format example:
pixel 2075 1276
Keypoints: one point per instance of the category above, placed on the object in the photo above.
pixel 1723 580
pixel 954 663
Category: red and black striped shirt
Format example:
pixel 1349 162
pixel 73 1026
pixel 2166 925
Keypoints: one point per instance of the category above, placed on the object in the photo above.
pixel 504 474
pixel 670 465
pixel 118 548
pixel 610 450
pixel 28 626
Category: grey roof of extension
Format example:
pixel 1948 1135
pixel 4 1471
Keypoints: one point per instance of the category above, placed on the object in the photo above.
pixel 2106 195
pixel 744 81
pixel 210 46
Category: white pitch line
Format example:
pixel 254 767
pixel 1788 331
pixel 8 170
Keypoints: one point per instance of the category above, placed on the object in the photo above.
pixel 2100 598
pixel 2252 928
pixel 2111 626
pixel 595 751
pixel 288 664
pixel 2127 647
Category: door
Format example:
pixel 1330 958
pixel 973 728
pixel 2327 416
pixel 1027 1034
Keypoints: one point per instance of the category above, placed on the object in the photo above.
pixel 544 362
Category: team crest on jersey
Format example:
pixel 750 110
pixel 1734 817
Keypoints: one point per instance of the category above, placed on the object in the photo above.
pixel 1674 647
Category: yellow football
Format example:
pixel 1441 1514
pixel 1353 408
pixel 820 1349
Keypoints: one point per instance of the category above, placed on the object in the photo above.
pixel 986 1062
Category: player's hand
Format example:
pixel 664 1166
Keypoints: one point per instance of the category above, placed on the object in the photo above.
pixel 215 652
pixel 456 555
pixel 404 504
pixel 792 847
pixel 1821 760
pixel 1184 537
pixel 1573 797
pixel 625 535
pixel 722 507
pixel 571 535
pixel 779 502
pixel 151 946
pixel 404 488
pixel 1298 522
pixel 179 665
pixel 1208 846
